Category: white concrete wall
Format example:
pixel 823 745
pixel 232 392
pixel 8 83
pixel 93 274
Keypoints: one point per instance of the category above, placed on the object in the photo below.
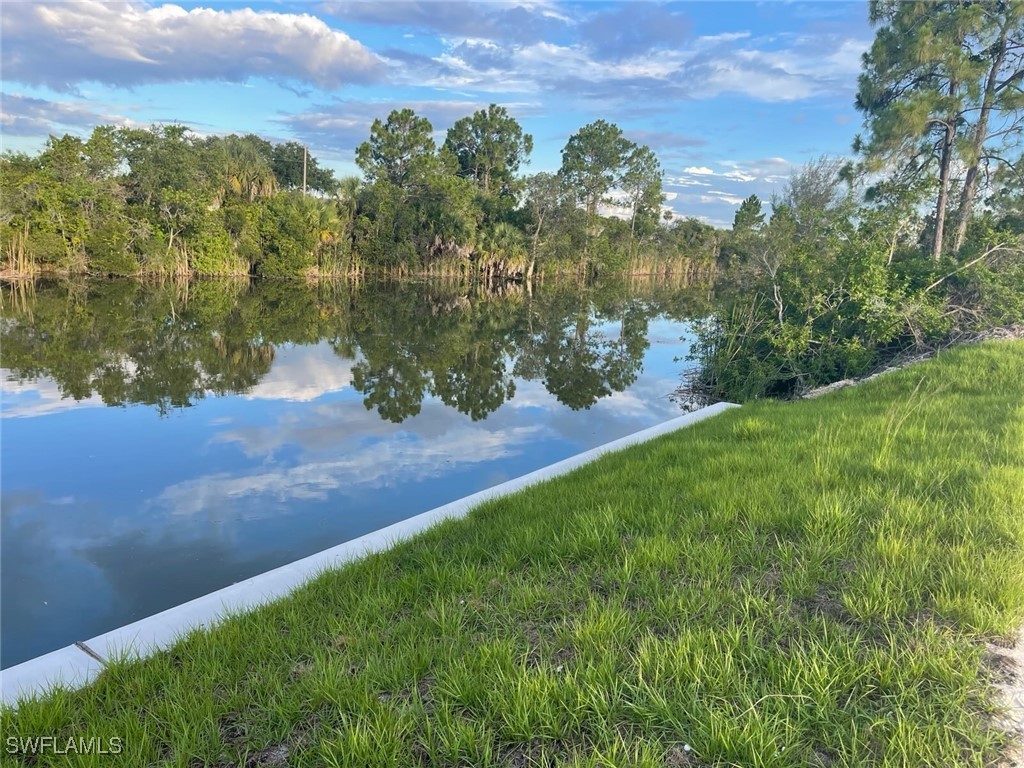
pixel 73 666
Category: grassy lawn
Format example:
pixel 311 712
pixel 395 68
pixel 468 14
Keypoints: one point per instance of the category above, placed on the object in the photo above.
pixel 795 584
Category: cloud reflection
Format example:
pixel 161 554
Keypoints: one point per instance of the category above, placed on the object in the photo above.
pixel 401 459
pixel 302 374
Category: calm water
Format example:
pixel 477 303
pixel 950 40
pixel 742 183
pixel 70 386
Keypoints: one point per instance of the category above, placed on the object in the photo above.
pixel 160 442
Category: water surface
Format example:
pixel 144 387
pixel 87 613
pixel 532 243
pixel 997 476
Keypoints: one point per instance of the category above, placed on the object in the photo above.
pixel 161 442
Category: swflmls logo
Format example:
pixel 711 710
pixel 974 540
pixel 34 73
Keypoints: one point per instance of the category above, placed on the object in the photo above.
pixel 36 745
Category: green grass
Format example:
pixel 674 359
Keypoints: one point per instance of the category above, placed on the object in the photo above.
pixel 784 585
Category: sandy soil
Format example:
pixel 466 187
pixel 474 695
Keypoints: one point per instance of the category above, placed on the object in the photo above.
pixel 1008 668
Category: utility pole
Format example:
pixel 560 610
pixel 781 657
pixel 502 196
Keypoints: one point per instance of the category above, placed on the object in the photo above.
pixel 304 153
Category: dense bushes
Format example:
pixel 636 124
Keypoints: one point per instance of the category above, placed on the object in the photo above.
pixel 830 290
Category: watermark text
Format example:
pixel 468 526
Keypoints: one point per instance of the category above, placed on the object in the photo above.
pixel 56 745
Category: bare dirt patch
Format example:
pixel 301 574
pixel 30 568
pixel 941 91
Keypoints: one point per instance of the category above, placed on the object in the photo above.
pixel 1007 664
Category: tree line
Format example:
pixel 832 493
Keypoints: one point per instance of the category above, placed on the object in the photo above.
pixel 163 200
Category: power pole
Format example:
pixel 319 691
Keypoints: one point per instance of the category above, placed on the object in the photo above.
pixel 304 153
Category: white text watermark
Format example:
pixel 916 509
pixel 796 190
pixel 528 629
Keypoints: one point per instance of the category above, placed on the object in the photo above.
pixel 54 745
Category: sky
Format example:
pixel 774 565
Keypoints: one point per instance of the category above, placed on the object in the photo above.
pixel 730 95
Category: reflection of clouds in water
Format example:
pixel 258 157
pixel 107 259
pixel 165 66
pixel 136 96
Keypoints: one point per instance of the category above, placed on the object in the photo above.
pixel 401 459
pixel 44 583
pixel 625 403
pixel 377 453
pixel 642 405
pixel 330 426
pixel 298 374
pixel 631 403
pixel 645 399
pixel 343 427
pixel 36 397
pixel 304 373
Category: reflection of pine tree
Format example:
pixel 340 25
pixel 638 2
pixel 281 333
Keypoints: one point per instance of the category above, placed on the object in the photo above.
pixel 579 365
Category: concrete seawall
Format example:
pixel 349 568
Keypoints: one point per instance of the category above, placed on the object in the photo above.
pixel 78 664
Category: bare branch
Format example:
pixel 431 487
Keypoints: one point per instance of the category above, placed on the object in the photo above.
pixel 971 263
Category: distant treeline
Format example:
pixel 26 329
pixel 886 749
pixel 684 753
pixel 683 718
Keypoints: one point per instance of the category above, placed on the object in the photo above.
pixel 165 201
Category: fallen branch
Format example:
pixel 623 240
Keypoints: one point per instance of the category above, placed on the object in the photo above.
pixel 971 263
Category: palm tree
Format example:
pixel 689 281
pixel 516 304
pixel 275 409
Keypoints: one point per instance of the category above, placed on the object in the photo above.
pixel 244 170
pixel 348 194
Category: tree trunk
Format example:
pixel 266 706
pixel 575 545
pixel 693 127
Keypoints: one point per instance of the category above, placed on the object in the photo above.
pixel 632 230
pixel 978 143
pixel 945 161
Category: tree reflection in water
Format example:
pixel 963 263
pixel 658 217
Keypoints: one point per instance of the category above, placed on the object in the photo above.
pixel 169 345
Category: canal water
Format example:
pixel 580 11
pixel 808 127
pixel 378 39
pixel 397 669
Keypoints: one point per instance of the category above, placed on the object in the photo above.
pixel 163 441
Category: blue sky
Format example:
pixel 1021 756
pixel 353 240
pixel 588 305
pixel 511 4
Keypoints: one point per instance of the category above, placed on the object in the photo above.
pixel 731 95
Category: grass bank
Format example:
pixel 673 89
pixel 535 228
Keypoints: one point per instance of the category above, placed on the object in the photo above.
pixel 788 584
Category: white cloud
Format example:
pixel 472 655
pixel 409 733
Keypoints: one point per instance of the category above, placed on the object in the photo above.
pixel 127 43
pixel 770 169
pixel 717 197
pixel 682 181
pixel 725 37
pixel 803 66
pixel 733 181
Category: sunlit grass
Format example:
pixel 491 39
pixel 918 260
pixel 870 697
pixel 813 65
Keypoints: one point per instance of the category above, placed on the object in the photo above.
pixel 783 585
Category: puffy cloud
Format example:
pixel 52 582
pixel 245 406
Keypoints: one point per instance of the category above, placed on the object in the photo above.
pixel 625 58
pixel 29 116
pixel 127 43
pixel 701 170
